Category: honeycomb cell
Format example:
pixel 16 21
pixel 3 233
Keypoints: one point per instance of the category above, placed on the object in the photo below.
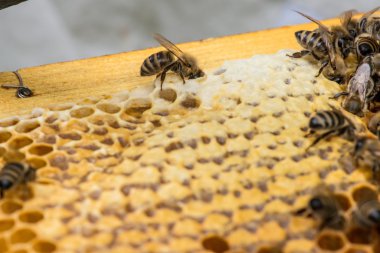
pixel 27 126
pixel 269 249
pixel 20 142
pixel 191 102
pixel 356 250
pixel 44 247
pixel 4 136
pixel 136 107
pixel 9 122
pixel 363 194
pixel 61 107
pixel 31 216
pixel 215 244
pixel 344 201
pixel 13 155
pixel 3 245
pixel 22 235
pixel 330 241
pixel 168 95
pixel 40 150
pixel 36 163
pixel 6 224
pixel 359 236
pixel 108 108
pixel 9 207
pixel 82 112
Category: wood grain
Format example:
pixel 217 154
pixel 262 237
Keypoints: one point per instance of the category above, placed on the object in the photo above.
pixel 8 3
pixel 72 81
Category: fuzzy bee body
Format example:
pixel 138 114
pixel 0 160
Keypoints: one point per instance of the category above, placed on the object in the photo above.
pixel 324 207
pixel 155 63
pixel 367 152
pixel 367 214
pixel 366 45
pixel 332 122
pixel 312 41
pixel 173 60
pixel 13 174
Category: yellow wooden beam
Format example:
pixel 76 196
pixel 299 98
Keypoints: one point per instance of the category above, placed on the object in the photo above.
pixel 71 81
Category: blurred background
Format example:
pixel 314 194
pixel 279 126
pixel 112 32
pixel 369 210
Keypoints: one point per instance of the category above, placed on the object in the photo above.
pixel 39 32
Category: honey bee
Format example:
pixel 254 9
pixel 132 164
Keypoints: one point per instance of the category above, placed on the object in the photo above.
pixel 361 88
pixel 324 207
pixel 365 45
pixel 367 214
pixel 174 59
pixel 368 24
pixel 374 125
pixel 367 152
pixel 334 123
pixel 330 47
pixel 22 90
pixel 13 174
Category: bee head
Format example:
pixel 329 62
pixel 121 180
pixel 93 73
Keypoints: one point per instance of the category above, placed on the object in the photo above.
pixel 353 105
pixel 316 204
pixel 198 73
pixel 359 145
pixel 374 216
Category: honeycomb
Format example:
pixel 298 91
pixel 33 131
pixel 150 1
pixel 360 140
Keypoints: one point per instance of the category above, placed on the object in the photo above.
pixel 215 165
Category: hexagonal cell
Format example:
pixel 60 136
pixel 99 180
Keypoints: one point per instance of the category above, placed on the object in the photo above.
pixel 3 245
pixel 82 112
pixel 357 250
pixel 22 235
pixel 136 107
pixel 10 206
pixel 5 136
pixel 44 246
pixel 13 155
pixel 9 122
pixel 27 126
pixel 20 142
pixel 31 216
pixel 6 224
pixel 36 163
pixel 363 194
pixel 40 150
pixel 215 244
pixel 330 241
pixel 61 107
pixel 191 102
pixel 169 95
pixel 269 249
pixel 359 236
pixel 343 200
pixel 108 108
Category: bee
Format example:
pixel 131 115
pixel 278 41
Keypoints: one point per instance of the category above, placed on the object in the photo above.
pixel 365 45
pixel 332 122
pixel 367 214
pixel 22 90
pixel 330 47
pixel 366 24
pixel 13 174
pixel 367 152
pixel 361 88
pixel 173 59
pixel 374 125
pixel 324 206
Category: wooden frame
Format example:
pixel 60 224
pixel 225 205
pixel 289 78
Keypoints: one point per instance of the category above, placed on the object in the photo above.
pixel 71 81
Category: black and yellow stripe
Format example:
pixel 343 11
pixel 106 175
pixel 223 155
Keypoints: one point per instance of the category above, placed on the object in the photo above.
pixel 312 41
pixel 366 45
pixel 155 63
pixel 326 120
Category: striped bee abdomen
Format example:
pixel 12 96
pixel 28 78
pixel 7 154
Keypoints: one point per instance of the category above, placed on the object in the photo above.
pixel 312 41
pixel 327 120
pixel 155 63
pixel 366 45
pixel 11 174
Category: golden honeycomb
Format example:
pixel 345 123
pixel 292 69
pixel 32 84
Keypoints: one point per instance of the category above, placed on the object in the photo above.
pixel 216 165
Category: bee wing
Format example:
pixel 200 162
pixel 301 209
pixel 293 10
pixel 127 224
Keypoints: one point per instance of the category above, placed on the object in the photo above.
pixel 171 48
pixel 346 17
pixel 369 13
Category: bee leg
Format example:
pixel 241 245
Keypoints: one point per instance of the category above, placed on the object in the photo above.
pixel 322 136
pixel 299 54
pixel 343 93
pixel 324 64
